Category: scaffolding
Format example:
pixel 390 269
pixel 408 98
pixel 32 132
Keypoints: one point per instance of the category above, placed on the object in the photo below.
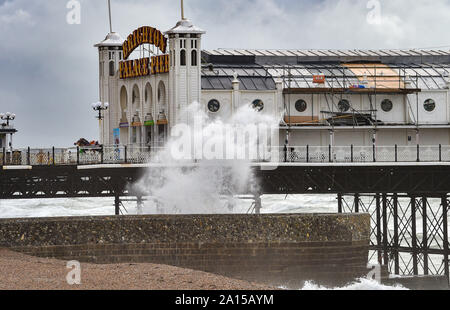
pixel 365 79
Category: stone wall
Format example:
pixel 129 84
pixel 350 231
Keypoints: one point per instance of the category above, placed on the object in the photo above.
pixel 275 249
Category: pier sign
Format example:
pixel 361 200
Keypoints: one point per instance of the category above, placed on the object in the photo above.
pixel 144 66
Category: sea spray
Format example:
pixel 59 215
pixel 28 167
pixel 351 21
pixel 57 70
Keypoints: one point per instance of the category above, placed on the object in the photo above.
pixel 207 162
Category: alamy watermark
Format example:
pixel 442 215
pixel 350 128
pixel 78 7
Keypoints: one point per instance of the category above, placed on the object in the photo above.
pixel 249 142
pixel 74 275
pixel 73 17
pixel 374 15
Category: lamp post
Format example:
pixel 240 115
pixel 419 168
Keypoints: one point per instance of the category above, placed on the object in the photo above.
pixel 100 107
pixel 8 117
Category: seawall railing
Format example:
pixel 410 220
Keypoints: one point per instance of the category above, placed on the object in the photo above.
pixel 293 154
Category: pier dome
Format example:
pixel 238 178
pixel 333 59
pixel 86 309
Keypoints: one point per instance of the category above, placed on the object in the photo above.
pixel 112 39
pixel 185 26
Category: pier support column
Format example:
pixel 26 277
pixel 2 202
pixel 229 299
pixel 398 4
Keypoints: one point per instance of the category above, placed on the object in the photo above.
pixel 117 205
pixel 357 202
pixel 414 236
pixel 396 241
pixel 425 235
pixel 379 231
pixel 445 233
pixel 258 204
pixel 339 198
pixel 140 205
pixel 385 231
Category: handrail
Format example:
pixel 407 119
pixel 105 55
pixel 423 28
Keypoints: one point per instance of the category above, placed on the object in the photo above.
pixel 129 154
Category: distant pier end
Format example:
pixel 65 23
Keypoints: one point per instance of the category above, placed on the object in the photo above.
pixel 275 249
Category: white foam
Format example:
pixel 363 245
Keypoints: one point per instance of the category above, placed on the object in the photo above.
pixel 359 285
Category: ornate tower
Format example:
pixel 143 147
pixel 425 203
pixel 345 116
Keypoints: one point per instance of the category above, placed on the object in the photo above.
pixel 110 54
pixel 185 67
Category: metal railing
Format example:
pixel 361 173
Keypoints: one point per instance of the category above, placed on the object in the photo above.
pixel 299 154
pixel 366 154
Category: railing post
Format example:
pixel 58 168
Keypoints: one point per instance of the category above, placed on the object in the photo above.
pixel 440 152
pixel 285 150
pixel 307 153
pixel 126 155
pixel 78 155
pixel 396 153
pixel 418 153
pixel 4 156
pixel 351 153
pixel 53 155
pixel 29 156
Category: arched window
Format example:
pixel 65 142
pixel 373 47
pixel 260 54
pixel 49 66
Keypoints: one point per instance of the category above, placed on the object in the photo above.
pixel 123 104
pixel 183 58
pixel 161 96
pixel 194 58
pixel 112 70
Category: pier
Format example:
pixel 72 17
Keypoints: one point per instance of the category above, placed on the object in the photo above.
pixel 394 185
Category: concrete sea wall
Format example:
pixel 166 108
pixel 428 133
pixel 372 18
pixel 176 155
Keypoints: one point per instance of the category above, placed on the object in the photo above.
pixel 276 249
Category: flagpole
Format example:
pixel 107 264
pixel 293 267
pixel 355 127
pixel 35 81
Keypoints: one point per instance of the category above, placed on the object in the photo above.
pixel 182 10
pixel 110 18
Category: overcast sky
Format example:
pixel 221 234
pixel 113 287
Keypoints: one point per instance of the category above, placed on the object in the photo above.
pixel 49 69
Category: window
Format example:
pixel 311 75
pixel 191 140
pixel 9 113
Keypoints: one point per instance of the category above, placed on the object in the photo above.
pixel 344 105
pixel 111 68
pixel 429 105
pixel 386 105
pixel 183 58
pixel 214 106
pixel 258 105
pixel 301 105
pixel 194 58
